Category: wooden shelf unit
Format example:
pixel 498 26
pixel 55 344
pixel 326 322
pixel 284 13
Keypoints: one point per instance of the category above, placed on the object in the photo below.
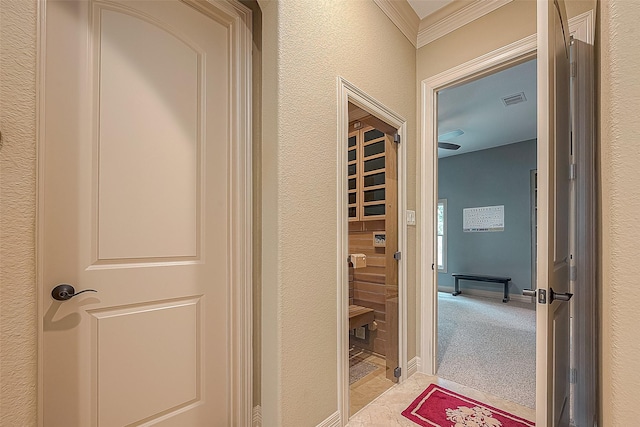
pixel 368 162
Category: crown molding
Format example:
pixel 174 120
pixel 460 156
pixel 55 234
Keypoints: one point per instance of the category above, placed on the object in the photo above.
pixel 403 16
pixel 420 33
pixel 457 19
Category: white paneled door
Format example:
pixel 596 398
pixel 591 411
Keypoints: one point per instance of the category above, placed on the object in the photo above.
pixel 554 143
pixel 138 158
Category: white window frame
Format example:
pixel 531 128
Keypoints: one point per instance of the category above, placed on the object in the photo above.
pixel 442 202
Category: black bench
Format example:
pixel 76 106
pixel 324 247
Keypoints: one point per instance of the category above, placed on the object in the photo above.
pixel 482 278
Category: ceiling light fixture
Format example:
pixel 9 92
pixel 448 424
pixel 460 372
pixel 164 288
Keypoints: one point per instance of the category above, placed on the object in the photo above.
pixel 442 139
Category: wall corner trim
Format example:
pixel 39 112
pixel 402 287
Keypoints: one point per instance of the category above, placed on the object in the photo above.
pixel 450 23
pixel 257 416
pixel 412 366
pixel 403 16
pixel 581 27
pixel 332 421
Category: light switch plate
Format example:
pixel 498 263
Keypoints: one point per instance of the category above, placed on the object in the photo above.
pixel 411 217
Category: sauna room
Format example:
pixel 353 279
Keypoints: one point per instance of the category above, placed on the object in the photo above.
pixel 373 271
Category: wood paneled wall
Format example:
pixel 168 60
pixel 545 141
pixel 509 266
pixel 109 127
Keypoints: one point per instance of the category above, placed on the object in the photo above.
pixel 367 285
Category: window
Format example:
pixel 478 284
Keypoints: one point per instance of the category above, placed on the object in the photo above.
pixel 442 235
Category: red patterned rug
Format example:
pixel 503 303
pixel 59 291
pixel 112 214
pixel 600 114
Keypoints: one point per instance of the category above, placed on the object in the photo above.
pixel 439 407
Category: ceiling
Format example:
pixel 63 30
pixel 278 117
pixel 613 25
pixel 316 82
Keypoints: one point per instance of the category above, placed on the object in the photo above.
pixel 477 109
pixel 427 7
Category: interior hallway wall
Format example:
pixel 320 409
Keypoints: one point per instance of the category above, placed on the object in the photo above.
pixel 619 233
pixel 18 303
pixel 306 46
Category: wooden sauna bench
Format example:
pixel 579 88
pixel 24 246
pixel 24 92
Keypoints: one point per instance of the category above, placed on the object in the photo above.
pixel 360 316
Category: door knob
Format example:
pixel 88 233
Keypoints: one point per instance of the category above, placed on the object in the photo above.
pixel 560 297
pixel 64 292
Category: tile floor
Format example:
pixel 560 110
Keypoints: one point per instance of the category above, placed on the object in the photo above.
pixel 386 410
pixel 369 387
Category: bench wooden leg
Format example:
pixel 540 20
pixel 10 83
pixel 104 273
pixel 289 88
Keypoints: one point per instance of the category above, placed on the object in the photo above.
pixel 456 288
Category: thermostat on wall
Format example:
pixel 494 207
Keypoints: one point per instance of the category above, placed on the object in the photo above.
pixel 379 240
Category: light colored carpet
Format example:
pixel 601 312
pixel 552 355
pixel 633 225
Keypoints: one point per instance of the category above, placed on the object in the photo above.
pixel 488 345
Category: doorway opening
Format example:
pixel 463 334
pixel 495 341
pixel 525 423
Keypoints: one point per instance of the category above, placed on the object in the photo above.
pixel 502 59
pixel 371 240
pixel 485 230
pixel 373 271
pixel 554 171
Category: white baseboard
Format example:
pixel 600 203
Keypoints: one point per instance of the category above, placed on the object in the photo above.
pixel 495 295
pixel 412 366
pixel 257 416
pixel 332 421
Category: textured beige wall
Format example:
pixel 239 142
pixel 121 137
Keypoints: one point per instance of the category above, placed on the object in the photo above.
pixel 306 45
pixel 309 48
pixel 18 345
pixel 270 318
pixel 620 195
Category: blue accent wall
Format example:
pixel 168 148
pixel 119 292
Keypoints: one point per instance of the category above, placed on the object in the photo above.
pixel 497 176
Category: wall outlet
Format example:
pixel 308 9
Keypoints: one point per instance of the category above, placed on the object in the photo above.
pixel 411 217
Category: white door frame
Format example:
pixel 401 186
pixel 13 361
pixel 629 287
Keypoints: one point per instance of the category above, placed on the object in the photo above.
pixel 581 27
pixel 509 55
pixel 238 19
pixel 347 92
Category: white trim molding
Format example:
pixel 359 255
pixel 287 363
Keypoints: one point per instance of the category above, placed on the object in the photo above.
pixel 241 318
pixel 347 92
pixel 403 16
pixel 412 366
pixel 581 27
pixel 450 23
pixel 257 416
pixel 332 421
pixel 420 32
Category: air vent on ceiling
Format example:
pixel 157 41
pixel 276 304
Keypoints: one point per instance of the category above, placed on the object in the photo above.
pixel 514 99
